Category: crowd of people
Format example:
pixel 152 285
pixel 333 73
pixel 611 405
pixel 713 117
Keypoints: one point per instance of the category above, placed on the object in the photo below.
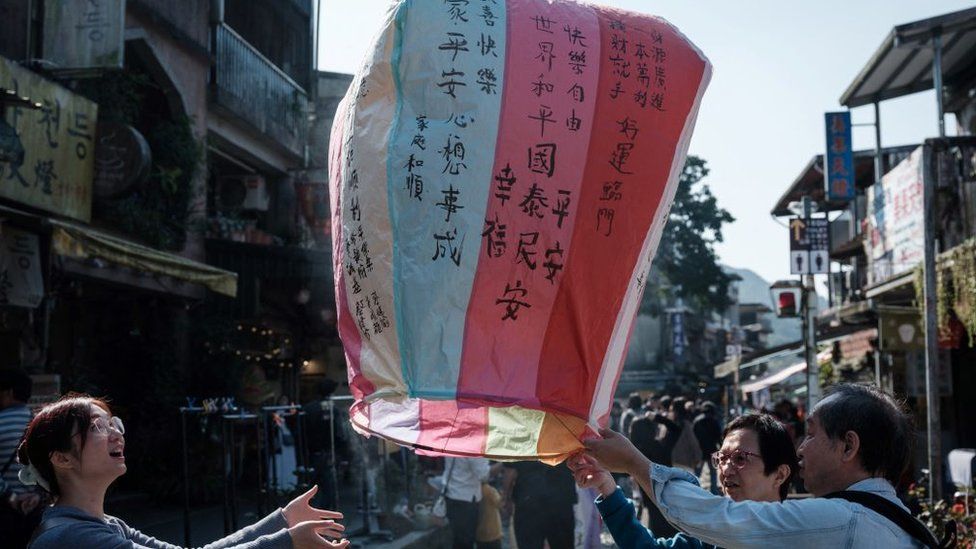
pixel 847 455
pixel 536 499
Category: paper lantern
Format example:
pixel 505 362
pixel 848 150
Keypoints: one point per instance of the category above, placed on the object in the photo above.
pixel 500 174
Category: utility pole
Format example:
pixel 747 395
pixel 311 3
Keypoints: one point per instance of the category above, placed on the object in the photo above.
pixel 932 376
pixel 810 326
pixel 735 386
pixel 736 357
pixel 932 370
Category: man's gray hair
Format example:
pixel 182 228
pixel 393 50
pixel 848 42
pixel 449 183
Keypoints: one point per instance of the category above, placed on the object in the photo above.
pixel 885 430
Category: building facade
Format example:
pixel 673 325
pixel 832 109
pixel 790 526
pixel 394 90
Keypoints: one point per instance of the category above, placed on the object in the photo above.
pixel 873 328
pixel 164 205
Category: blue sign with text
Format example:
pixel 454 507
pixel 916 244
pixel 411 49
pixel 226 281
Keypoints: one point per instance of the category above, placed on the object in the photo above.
pixel 839 161
pixel 678 335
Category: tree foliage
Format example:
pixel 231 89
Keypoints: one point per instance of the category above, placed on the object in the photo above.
pixel 686 255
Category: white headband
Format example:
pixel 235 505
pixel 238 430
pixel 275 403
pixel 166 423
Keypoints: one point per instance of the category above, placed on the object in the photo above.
pixel 29 476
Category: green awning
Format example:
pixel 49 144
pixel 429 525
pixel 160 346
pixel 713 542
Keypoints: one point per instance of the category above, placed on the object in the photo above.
pixel 80 242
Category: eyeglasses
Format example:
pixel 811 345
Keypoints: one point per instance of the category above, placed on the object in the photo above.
pixel 101 425
pixel 738 458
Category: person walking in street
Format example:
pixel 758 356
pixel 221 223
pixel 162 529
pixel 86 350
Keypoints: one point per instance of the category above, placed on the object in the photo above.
pixel 655 435
pixel 543 497
pixel 632 412
pixel 20 506
pixel 708 431
pixel 489 533
pixel 857 445
pixel 788 415
pixel 616 412
pixel 686 454
pixel 756 463
pixel 462 492
pixel 75 448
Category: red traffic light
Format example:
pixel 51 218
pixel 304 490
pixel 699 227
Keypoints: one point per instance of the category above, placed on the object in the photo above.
pixel 786 304
pixel 787 297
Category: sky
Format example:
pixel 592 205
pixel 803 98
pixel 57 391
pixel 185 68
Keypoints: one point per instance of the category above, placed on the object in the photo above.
pixel 778 65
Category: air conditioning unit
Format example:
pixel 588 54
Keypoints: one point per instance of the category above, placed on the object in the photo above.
pixel 242 192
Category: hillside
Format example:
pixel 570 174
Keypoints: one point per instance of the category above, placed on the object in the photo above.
pixel 755 289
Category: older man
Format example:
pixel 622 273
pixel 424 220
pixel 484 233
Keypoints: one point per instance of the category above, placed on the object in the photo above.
pixel 857 445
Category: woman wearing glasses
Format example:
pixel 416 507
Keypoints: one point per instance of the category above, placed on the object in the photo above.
pixel 756 462
pixel 75 449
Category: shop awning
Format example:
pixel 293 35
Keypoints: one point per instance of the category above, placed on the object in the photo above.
pixel 78 242
pixel 781 375
pixel 773 379
pixel 905 279
pixel 766 355
pixel 903 63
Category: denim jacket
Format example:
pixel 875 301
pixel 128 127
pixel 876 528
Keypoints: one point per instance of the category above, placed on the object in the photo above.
pixel 618 513
pixel 797 524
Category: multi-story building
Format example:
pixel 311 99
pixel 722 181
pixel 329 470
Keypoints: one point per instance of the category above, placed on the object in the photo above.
pixel 873 327
pixel 164 202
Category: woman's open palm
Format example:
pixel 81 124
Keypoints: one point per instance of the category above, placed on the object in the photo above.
pixel 300 510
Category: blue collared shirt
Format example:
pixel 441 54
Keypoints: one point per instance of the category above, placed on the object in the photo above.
pixel 797 524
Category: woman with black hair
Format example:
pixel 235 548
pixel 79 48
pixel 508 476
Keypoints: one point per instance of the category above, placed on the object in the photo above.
pixel 75 448
pixel 756 462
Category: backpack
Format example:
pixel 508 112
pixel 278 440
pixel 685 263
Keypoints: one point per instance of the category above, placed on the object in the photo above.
pixel 900 517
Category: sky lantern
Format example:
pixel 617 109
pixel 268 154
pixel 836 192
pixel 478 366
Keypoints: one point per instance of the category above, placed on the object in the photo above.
pixel 501 173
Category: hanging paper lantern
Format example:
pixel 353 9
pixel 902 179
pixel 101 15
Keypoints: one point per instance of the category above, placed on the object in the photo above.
pixel 501 172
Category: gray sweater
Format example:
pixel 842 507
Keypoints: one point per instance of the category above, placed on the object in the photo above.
pixel 71 527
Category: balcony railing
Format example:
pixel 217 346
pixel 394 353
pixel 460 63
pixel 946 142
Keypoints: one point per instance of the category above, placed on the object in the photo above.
pixel 257 91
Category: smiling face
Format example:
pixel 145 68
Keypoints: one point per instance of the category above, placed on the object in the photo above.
pixel 750 482
pixel 103 456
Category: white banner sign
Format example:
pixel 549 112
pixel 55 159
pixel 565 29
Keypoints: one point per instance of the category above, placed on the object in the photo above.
pixel 895 238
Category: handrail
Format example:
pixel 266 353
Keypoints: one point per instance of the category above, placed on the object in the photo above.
pixel 259 92
pixel 223 27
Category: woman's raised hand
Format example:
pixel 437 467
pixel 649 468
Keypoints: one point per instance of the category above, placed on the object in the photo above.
pixel 300 510
pixel 588 473
pixel 313 533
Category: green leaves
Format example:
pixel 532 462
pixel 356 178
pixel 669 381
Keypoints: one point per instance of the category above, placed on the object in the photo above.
pixel 686 256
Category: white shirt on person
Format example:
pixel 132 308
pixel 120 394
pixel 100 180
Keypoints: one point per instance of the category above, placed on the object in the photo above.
pixel 463 477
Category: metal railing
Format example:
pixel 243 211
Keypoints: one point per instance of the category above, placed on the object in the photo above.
pixel 255 89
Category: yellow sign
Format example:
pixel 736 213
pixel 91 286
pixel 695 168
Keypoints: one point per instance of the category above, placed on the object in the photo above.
pixel 727 367
pixel 51 151
pixel 797 225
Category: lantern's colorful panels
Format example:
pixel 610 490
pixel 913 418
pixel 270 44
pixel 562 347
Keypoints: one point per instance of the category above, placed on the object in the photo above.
pixel 501 172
